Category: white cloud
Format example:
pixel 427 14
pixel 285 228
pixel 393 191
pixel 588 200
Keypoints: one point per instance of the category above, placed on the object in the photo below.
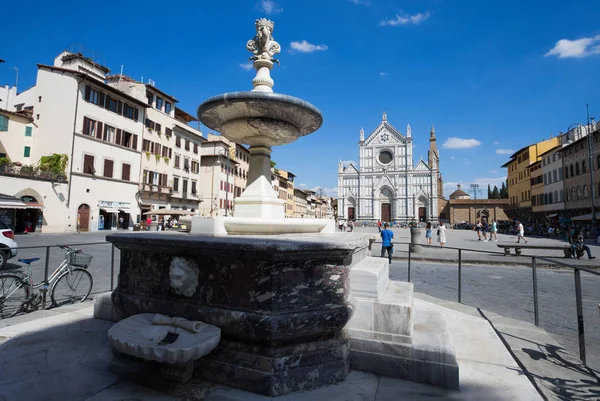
pixel 460 143
pixel 363 2
pixel 305 47
pixel 406 19
pixel 577 48
pixel 496 143
pixel 246 66
pixel 383 74
pixel 269 7
pixel 504 151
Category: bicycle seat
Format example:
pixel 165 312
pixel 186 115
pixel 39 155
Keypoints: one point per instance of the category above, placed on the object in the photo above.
pixel 28 261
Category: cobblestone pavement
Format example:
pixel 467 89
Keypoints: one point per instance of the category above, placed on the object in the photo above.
pixel 508 291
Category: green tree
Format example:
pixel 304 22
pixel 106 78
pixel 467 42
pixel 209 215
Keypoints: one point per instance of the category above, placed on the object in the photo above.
pixel 504 191
pixel 55 163
pixel 489 192
pixel 495 193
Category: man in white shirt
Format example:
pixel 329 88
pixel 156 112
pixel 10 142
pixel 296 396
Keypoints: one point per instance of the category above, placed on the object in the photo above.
pixel 521 232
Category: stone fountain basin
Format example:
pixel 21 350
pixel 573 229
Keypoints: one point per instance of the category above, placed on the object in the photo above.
pixel 139 337
pixel 260 118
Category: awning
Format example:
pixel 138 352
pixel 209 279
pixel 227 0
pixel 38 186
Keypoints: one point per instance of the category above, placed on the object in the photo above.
pixel 12 205
pixel 109 210
pixel 165 212
pixel 584 217
pixel 553 215
pixel 124 210
pixel 34 206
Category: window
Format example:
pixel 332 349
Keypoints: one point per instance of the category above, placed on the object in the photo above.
pixel 571 170
pixel 130 112
pixel 27 151
pixel 166 152
pixel 111 104
pixel 585 192
pixel 175 184
pixel 28 131
pixel 168 132
pixel 577 168
pixel 186 164
pixel 157 149
pixel 195 167
pixel 149 123
pixel 178 141
pixel 194 187
pixel 146 145
pixel 158 127
pixel 578 193
pixel 93 96
pixel 187 144
pixel 126 172
pixel 177 161
pixel 108 168
pixel 150 98
pixel 167 107
pixel 196 148
pixel 88 165
pixel 89 126
pixel 567 172
pixel 583 167
pixel 567 195
pixel 159 103
pixel 109 134
pixel 572 194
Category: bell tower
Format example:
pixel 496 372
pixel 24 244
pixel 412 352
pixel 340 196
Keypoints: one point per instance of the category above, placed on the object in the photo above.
pixel 433 155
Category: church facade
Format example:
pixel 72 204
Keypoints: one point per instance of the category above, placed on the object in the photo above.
pixel 387 185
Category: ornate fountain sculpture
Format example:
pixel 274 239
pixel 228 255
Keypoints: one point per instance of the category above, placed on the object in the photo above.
pixel 261 119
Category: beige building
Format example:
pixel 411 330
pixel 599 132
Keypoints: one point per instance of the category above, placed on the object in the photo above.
pixel 301 205
pixel 283 184
pixel 461 208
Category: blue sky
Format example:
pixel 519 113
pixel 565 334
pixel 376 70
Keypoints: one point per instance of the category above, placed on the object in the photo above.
pixel 493 76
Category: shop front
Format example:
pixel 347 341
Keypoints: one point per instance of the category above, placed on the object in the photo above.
pixel 114 215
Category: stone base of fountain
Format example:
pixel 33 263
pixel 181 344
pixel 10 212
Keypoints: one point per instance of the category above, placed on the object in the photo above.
pixel 222 225
pixel 281 302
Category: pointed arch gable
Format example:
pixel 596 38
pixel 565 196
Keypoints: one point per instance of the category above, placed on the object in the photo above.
pixel 385 127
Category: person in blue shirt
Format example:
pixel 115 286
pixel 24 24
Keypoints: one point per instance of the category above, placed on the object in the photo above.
pixel 386 242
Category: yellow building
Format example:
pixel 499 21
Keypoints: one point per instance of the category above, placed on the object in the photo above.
pixel 283 183
pixel 519 179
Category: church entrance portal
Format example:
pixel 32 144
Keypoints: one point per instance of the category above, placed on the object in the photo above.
pixel 351 215
pixel 422 214
pixel 385 212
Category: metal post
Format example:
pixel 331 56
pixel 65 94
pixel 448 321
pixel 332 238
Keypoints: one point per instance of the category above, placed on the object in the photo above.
pixel 227 185
pixel 459 275
pixel 580 326
pixel 46 268
pixel 535 292
pixel 112 267
pixel 409 263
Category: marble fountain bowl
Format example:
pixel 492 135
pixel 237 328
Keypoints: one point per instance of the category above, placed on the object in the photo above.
pixel 159 338
pixel 260 118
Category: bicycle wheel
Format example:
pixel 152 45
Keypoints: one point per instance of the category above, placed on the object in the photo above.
pixel 14 291
pixel 71 287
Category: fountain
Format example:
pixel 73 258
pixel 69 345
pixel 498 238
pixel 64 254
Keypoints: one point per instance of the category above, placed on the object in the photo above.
pixel 261 119
pixel 277 289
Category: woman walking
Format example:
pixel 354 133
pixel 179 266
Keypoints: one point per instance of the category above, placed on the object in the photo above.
pixel 428 233
pixel 441 233
pixel 494 232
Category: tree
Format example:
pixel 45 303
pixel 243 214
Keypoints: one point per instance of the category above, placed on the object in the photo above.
pixel 495 193
pixel 56 163
pixel 504 191
pixel 489 192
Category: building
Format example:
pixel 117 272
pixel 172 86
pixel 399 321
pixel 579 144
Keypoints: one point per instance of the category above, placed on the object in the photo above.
pixel 99 129
pixel 552 203
pixel 283 185
pixel 170 162
pixel 519 181
pixel 536 179
pixel 461 208
pixel 8 95
pixel 387 185
pixel 301 204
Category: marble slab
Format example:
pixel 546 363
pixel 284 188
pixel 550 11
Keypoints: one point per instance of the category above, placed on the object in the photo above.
pixel 369 278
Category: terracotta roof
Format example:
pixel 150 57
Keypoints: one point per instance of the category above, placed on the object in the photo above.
pixel 457 193
pixel 89 60
pixel 22 114
pixel 184 116
pixel 97 82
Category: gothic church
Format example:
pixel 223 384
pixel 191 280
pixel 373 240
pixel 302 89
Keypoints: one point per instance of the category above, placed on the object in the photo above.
pixel 386 185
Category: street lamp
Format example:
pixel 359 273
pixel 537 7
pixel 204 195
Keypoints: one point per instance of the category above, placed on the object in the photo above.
pixel 475 189
pixel 225 152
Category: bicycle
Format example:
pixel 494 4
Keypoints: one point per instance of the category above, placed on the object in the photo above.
pixel 17 290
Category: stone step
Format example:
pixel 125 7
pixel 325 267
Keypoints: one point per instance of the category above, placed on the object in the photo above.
pixel 389 318
pixel 369 278
pixel 430 358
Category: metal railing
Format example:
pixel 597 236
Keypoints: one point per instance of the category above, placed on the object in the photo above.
pixel 46 274
pixel 534 259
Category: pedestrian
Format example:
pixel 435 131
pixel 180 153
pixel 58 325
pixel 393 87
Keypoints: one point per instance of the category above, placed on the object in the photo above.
pixel 386 242
pixel 578 246
pixel 494 232
pixel 148 222
pixel 520 232
pixel 477 228
pixel 121 221
pixel 484 230
pixel 441 234
pixel 351 225
pixel 428 233
pixel 345 225
pixel 379 225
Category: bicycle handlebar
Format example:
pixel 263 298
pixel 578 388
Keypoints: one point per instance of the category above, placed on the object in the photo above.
pixel 69 249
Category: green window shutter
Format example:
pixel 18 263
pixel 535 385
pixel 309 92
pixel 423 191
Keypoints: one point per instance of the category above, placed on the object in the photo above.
pixel 27 151
pixel 28 131
pixel 3 123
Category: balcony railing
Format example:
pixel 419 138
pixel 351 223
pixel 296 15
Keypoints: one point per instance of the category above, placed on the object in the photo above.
pixel 32 172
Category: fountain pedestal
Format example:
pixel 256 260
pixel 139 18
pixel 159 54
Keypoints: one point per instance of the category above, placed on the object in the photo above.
pixel 281 302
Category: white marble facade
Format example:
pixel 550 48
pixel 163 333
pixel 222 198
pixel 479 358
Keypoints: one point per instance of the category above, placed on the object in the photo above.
pixel 387 185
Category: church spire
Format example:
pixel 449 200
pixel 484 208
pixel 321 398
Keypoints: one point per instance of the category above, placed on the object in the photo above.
pixel 432 133
pixel 433 155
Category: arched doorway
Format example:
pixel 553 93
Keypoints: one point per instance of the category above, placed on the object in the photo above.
pixel 31 218
pixel 422 208
pixel 351 208
pixel 83 218
pixel 483 216
pixel 385 199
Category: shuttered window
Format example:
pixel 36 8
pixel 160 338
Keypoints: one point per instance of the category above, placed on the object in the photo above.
pixel 28 131
pixel 3 123
pixel 88 164
pixel 108 168
pixel 27 151
pixel 196 148
pixel 125 172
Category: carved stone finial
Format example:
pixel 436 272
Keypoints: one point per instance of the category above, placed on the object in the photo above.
pixel 362 134
pixel 384 117
pixel 263 47
pixel 432 132
pixel 408 130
